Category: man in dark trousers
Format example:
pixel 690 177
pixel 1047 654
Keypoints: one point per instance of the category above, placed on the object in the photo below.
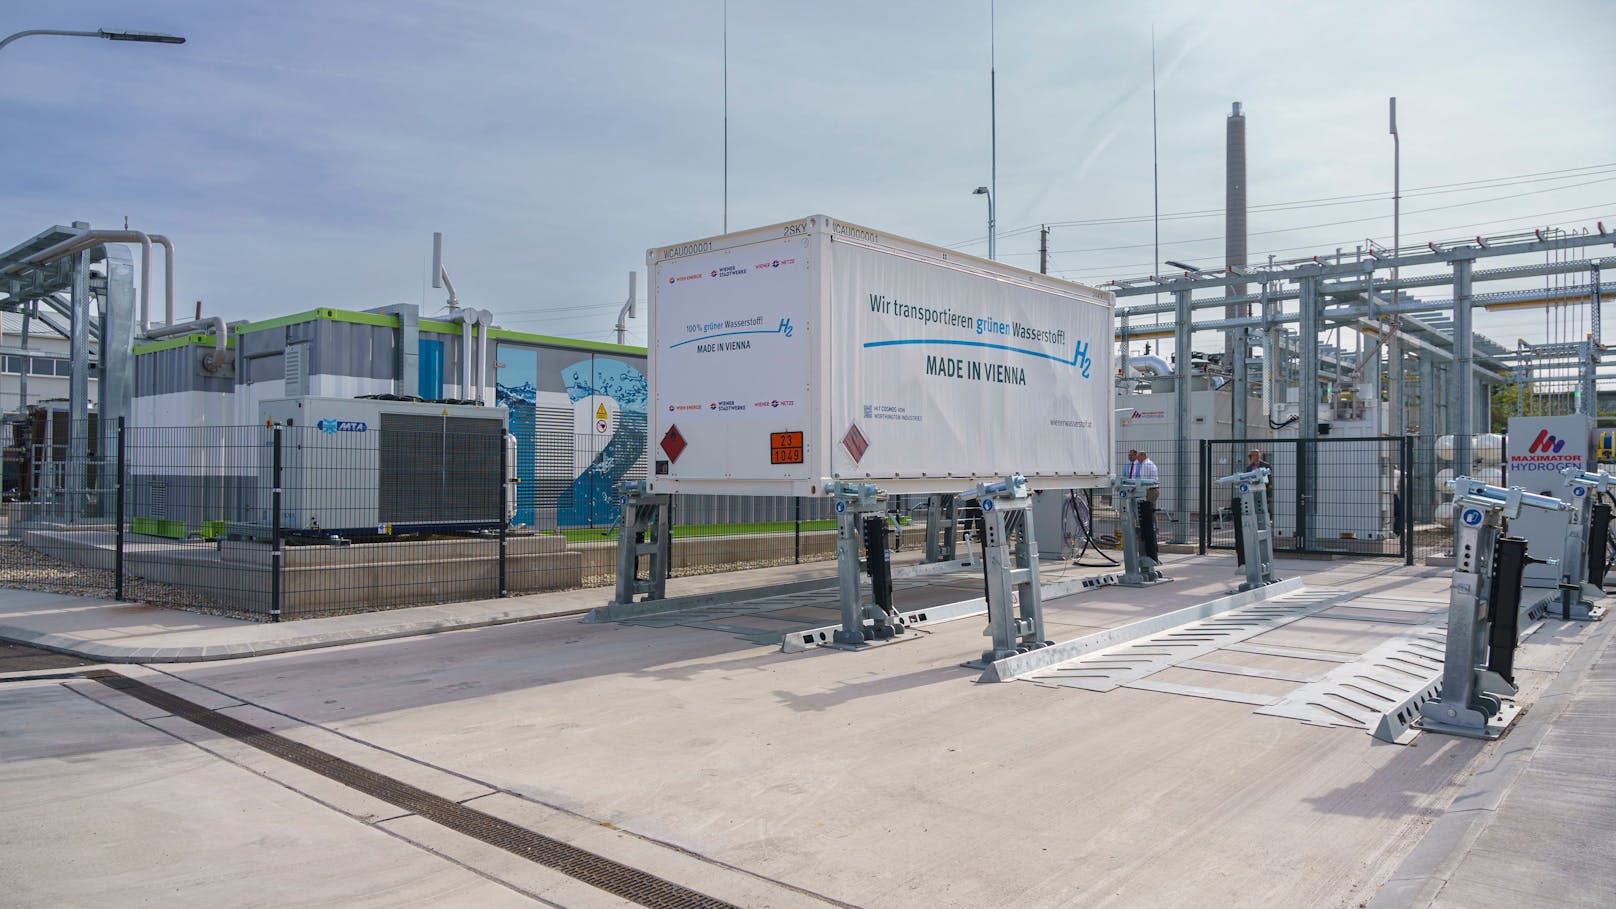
pixel 1254 460
pixel 1145 469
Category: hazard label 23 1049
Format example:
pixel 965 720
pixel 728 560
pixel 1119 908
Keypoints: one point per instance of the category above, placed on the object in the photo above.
pixel 785 448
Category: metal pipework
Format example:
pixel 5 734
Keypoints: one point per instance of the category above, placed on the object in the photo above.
pixel 627 312
pixel 98 237
pixel 168 283
pixel 210 323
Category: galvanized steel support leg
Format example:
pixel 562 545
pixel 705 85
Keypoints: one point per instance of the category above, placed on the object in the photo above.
pixel 1015 609
pixel 1257 536
pixel 645 531
pixel 940 533
pixel 1471 695
pixel 1574 591
pixel 1137 569
pixel 861 621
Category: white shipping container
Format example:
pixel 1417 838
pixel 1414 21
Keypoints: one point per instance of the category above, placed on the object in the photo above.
pixel 785 357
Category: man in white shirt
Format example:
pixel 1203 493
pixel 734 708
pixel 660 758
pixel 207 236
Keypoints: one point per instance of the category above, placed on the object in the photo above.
pixel 1145 469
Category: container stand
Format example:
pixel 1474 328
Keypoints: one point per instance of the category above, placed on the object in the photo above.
pixel 1256 526
pixel 1015 604
pixel 644 531
pixel 1483 612
pixel 1137 569
pixel 941 529
pixel 1575 591
pixel 862 623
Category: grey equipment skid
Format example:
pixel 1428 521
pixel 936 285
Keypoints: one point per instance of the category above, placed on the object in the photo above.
pixel 1575 590
pixel 1478 662
pixel 1256 525
pixel 861 518
pixel 1137 569
pixel 1015 604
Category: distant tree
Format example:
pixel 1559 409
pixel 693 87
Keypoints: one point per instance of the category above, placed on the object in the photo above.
pixel 1506 402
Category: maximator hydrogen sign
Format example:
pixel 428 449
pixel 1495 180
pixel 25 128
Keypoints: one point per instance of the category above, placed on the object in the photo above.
pixel 785 357
pixel 1539 448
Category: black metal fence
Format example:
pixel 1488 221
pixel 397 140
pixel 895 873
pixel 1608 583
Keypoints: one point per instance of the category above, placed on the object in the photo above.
pixel 1329 495
pixel 280 522
pixel 284 522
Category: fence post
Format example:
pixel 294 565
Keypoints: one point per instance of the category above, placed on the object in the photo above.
pixel 796 533
pixel 1406 500
pixel 275 532
pixel 504 508
pixel 117 582
pixel 1204 525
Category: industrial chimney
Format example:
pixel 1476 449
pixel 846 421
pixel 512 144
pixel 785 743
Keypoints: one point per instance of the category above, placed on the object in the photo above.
pixel 1235 349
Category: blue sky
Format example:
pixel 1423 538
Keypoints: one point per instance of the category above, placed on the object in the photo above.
pixel 301 153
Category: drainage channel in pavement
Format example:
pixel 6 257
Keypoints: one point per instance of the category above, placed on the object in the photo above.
pixel 631 884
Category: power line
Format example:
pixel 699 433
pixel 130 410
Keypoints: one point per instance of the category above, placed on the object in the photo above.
pixel 1287 230
pixel 1353 199
pixel 1112 270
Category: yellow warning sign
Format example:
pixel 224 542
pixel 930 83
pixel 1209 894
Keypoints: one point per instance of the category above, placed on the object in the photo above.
pixel 600 412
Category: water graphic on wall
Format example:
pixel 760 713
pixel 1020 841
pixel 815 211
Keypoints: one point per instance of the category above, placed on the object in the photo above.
pixel 580 426
pixel 594 492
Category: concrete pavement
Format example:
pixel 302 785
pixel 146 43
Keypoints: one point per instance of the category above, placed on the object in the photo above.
pixel 886 778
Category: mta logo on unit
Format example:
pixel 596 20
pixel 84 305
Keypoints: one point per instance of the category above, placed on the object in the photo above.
pixel 334 426
pixel 1546 444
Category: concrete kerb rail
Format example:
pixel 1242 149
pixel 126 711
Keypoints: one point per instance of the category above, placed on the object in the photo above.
pixel 617 612
pixel 1011 668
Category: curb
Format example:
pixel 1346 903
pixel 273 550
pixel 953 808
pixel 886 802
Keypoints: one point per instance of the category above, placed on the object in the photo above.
pixel 113 653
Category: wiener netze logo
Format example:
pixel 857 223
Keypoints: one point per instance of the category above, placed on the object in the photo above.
pixel 1546 444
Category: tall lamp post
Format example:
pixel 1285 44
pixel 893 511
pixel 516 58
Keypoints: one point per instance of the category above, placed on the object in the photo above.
pixel 984 191
pixel 110 35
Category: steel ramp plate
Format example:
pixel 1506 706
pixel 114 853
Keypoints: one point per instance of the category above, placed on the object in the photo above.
pixel 1125 663
pixel 1378 692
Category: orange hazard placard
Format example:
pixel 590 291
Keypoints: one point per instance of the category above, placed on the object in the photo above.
pixel 785 448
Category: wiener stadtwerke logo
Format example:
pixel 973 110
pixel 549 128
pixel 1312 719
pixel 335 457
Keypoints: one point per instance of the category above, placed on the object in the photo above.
pixel 1546 444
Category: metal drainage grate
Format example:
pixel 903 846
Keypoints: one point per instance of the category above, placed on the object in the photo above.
pixel 613 877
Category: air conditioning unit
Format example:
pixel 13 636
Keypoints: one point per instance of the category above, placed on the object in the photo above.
pixel 368 466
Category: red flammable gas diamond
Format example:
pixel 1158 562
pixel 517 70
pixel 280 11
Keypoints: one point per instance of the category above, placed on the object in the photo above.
pixel 855 443
pixel 673 443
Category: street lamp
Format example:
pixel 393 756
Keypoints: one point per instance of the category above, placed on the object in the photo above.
pixel 983 191
pixel 139 37
pixel 1189 268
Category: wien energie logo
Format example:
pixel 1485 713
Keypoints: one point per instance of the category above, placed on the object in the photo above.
pixel 1545 444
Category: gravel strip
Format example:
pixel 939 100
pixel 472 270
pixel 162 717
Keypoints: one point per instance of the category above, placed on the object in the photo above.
pixel 24 568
